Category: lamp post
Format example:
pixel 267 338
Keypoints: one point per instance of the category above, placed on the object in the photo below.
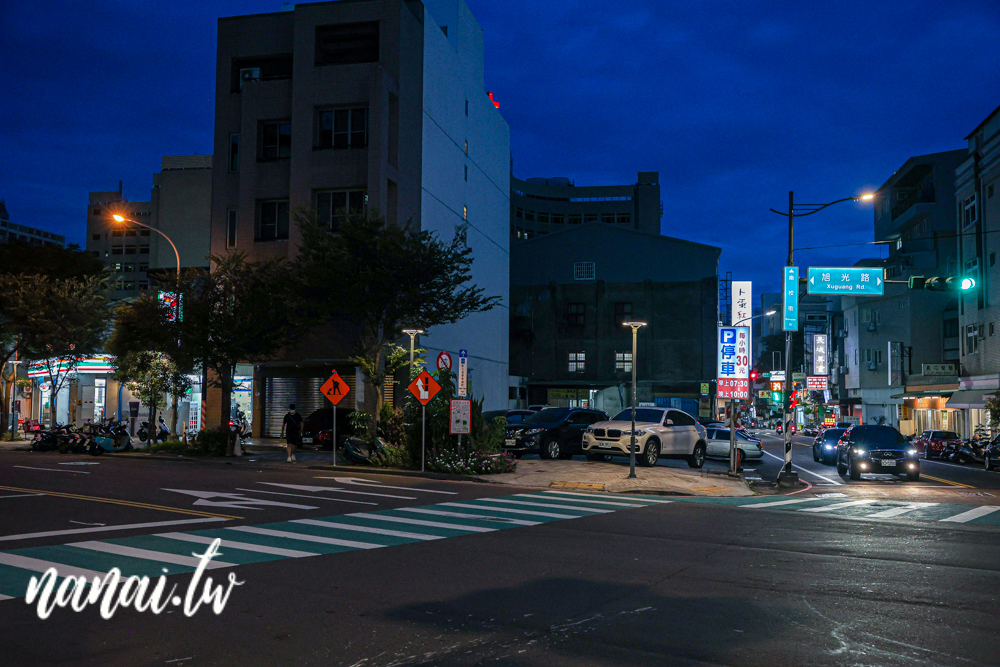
pixel 413 333
pixel 733 467
pixel 631 450
pixel 13 400
pixel 787 476
pixel 177 256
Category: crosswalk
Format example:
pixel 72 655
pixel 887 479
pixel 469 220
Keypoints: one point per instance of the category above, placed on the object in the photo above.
pixel 949 513
pixel 150 555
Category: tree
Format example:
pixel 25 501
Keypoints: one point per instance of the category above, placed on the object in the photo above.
pixel 150 374
pixel 388 278
pixel 776 343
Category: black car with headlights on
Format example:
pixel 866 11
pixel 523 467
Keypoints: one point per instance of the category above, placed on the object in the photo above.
pixel 876 449
pixel 551 432
pixel 825 445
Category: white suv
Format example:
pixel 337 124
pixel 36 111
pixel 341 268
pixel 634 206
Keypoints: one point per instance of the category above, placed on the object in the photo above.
pixel 659 433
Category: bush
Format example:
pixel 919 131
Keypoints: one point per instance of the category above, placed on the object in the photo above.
pixel 168 446
pixel 211 443
pixel 393 425
pixel 392 456
pixel 470 463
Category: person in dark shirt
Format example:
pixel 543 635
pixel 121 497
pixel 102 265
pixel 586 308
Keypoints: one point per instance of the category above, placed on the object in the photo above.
pixel 291 428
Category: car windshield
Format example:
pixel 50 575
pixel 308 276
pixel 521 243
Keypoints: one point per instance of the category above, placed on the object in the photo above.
pixel 548 416
pixel 876 436
pixel 945 435
pixel 641 415
pixel 833 434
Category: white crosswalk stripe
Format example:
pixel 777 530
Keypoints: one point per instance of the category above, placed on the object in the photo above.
pixel 645 499
pixel 837 506
pixel 574 500
pixel 777 503
pixel 460 515
pixel 245 546
pixel 899 511
pixel 973 514
pixel 146 554
pixel 366 529
pixel 39 565
pixel 306 537
pixel 420 522
pixel 551 515
pixel 549 505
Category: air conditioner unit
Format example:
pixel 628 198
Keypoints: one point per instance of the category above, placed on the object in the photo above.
pixel 871 325
pixel 844 370
pixel 872 365
pixel 249 74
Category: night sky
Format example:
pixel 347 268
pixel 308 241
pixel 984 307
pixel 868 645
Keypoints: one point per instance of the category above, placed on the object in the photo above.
pixel 734 103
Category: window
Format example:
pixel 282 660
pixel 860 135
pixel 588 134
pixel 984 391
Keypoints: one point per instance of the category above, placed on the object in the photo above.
pixel 969 215
pixel 143 267
pixel 95 237
pixel 465 213
pixel 971 339
pixel 574 220
pixel 991 328
pixel 623 313
pixel 97 210
pixel 518 212
pixel 143 250
pixel 144 285
pixel 989 191
pixel 231 228
pixel 529 215
pixel 332 204
pixel 466 172
pixel 583 271
pixel 557 218
pixel 347 43
pixel 127 268
pixel 117 250
pixel 466 146
pixel 575 314
pixel 993 258
pixel 343 128
pixel 128 285
pixel 577 362
pixel 543 217
pixel 466 107
pixel 117 232
pixel 623 362
pixel 129 232
pixel 607 217
pixel 275 140
pixel 143 232
pixel 272 220
pixel 117 266
pixel 624 218
pixel 234 153
pixel 950 328
pixel 680 418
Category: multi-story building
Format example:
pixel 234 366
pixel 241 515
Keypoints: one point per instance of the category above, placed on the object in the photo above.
pixel 365 105
pixel 891 340
pixel 544 205
pixel 12 231
pixel 977 217
pixel 570 296
pixel 179 207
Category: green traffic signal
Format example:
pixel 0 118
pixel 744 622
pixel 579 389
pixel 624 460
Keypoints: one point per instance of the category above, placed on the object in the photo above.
pixel 776 396
pixel 943 284
pixel 967 283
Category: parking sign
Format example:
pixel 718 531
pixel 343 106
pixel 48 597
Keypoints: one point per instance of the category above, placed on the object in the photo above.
pixel 733 374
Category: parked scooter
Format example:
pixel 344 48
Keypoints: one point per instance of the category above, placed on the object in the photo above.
pixel 970 451
pixel 357 450
pixel 240 425
pixel 145 433
pixel 108 436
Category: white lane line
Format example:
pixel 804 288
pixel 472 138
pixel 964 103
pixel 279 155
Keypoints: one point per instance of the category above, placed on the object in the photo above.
pixel 897 511
pixel 5 597
pixel 551 515
pixel 814 474
pixel 418 522
pixel 638 498
pixel 574 500
pixel 76 472
pixel 460 515
pixel 23 495
pixel 305 537
pixel 126 526
pixel 147 554
pixel 376 485
pixel 39 565
pixel 244 546
pixel 366 529
pixel 548 505
pixel 837 506
pixel 983 510
pixel 299 495
pixel 777 503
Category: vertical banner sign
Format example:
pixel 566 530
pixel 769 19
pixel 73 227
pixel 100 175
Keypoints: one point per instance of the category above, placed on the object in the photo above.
pixel 790 301
pixel 821 361
pixel 463 372
pixel 743 308
pixel 734 363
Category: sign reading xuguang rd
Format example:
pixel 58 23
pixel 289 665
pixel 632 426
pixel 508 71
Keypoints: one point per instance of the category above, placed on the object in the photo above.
pixel 845 280
pixel 734 363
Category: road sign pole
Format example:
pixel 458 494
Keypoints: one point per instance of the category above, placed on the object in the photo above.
pixel 335 436
pixel 732 437
pixel 423 434
pixel 787 476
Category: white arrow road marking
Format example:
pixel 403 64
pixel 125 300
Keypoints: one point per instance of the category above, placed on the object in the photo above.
pixel 316 489
pixel 299 495
pixel 235 500
pixel 366 482
pixel 814 474
pixel 983 510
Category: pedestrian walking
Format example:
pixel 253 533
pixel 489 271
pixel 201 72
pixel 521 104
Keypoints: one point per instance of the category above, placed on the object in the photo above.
pixel 291 429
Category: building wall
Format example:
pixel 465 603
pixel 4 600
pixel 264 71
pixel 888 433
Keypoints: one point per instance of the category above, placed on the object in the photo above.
pixel 125 250
pixel 12 231
pixel 181 202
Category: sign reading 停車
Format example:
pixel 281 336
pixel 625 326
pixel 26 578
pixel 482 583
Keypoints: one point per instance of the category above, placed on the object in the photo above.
pixel 733 371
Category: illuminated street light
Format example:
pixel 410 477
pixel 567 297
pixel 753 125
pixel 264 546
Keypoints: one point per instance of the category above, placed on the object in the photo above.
pixel 631 450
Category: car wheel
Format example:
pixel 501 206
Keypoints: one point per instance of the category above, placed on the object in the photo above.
pixel 815 455
pixel 549 449
pixel 927 453
pixel 852 470
pixel 697 458
pixel 651 454
pixel 841 468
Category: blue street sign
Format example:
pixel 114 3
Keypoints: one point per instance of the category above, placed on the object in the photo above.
pixel 790 302
pixel 852 281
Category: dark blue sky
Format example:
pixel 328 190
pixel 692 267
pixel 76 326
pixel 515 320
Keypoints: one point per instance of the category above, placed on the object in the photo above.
pixel 734 103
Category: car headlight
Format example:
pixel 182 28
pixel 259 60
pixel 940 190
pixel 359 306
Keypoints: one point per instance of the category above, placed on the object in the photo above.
pixel 636 433
pixel 827 446
pixel 589 429
pixel 911 452
pixel 860 450
pixel 533 431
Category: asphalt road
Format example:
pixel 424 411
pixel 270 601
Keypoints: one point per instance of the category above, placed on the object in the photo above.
pixel 869 573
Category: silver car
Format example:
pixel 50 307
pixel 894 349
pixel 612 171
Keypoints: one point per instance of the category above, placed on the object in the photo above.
pixel 659 433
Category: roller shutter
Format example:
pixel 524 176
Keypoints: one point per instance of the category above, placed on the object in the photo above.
pixel 303 392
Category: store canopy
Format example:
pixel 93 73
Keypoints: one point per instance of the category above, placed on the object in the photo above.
pixel 927 394
pixel 970 398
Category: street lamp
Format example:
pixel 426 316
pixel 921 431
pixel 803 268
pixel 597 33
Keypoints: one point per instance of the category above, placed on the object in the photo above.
pixel 631 450
pixel 748 319
pixel 412 333
pixel 177 256
pixel 787 476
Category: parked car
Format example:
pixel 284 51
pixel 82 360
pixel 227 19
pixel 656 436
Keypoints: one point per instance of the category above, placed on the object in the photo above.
pixel 540 406
pixel 717 445
pixel 933 443
pixel 317 427
pixel 876 449
pixel 552 432
pixel 991 457
pixel 659 433
pixel 512 416
pixel 825 445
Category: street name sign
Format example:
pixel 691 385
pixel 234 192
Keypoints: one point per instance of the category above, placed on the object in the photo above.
pixel 444 361
pixel 734 363
pixel 790 298
pixel 853 281
pixel 461 416
pixel 335 389
pixel 778 375
pixel 463 372
pixel 424 387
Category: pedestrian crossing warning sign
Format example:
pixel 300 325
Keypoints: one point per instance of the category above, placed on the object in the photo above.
pixel 335 389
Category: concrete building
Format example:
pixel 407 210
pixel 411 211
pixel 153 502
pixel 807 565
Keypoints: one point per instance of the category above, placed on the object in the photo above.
pixel 365 105
pixel 12 231
pixel 569 297
pixel 179 206
pixel 544 205
pixel 977 220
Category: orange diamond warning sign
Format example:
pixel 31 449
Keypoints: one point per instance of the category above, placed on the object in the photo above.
pixel 335 389
pixel 424 387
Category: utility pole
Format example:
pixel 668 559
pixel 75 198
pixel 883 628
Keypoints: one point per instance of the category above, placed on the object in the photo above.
pixel 787 476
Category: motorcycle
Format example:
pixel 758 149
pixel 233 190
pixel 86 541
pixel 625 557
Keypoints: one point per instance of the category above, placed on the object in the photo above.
pixel 970 451
pixel 240 425
pixel 357 450
pixel 949 450
pixel 108 437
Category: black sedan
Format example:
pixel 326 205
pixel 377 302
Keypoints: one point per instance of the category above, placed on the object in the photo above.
pixel 512 416
pixel 876 449
pixel 552 432
pixel 825 445
pixel 991 457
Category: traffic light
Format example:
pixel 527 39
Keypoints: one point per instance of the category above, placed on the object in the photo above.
pixel 965 283
pixel 776 396
pixel 791 401
pixel 754 375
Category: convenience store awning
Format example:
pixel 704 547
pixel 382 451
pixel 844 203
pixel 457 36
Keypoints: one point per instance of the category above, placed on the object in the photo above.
pixel 970 399
pixel 940 393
